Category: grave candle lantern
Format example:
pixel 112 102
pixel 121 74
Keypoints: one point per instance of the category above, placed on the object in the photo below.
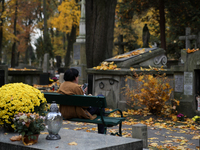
pixel 53 122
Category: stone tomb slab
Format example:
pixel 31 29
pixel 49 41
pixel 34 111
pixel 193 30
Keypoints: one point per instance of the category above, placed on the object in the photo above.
pixel 155 57
pixel 84 140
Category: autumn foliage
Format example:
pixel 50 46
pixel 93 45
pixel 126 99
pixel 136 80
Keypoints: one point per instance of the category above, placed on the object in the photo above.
pixel 150 91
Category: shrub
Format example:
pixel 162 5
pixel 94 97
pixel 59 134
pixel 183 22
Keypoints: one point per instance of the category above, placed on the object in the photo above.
pixel 150 91
pixel 19 97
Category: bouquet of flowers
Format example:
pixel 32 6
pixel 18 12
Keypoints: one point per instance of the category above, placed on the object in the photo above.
pixel 19 97
pixel 29 125
pixel 180 117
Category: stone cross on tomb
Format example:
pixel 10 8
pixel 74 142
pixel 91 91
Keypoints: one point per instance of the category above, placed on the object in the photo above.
pixel 51 62
pixel 121 44
pixel 188 37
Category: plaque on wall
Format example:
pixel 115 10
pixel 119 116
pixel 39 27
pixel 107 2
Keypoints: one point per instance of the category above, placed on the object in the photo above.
pixel 76 51
pixel 188 83
pixel 178 83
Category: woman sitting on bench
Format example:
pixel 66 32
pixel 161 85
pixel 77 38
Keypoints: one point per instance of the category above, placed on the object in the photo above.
pixel 71 87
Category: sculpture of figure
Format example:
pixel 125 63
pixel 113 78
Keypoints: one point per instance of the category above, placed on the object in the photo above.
pixel 145 36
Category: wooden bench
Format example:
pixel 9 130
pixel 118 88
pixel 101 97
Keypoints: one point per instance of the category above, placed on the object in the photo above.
pixel 94 101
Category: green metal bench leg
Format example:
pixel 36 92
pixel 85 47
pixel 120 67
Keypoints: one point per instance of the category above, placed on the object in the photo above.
pixel 120 129
pixel 105 130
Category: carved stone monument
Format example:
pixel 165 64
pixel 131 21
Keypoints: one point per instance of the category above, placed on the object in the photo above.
pixel 187 78
pixel 79 51
pixel 110 82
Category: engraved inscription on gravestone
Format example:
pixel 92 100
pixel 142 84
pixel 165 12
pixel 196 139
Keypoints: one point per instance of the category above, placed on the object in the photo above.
pixel 77 51
pixel 188 80
pixel 178 83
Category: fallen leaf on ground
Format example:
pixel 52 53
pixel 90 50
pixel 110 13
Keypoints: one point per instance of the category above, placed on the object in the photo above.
pixel 77 129
pixel 16 138
pixel 153 144
pixel 196 137
pixel 72 143
pixel 44 132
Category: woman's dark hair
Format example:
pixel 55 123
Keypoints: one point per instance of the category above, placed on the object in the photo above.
pixel 71 74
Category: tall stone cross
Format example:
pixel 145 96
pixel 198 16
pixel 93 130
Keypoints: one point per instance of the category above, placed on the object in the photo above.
pixel 121 44
pixel 187 37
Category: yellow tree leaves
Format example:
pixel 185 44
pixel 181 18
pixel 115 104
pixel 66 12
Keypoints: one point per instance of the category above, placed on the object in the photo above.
pixel 107 66
pixel 192 50
pixel 137 52
pixel 68 16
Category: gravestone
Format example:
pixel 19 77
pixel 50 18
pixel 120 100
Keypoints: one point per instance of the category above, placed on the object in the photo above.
pixel 187 79
pixel 46 63
pixel 58 61
pixel 3 75
pixel 120 44
pixel 51 68
pixel 29 61
pixel 29 55
pixel 110 83
pixel 84 140
pixel 44 77
pixel 24 73
pixel 79 51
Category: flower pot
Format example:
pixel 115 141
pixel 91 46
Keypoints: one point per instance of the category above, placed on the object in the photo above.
pixel 31 140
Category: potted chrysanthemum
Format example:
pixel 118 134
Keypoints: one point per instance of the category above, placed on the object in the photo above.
pixel 29 126
pixel 19 97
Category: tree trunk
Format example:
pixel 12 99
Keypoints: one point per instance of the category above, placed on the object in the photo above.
pixel 1 31
pixel 45 26
pixel 15 33
pixel 100 17
pixel 162 23
pixel 71 38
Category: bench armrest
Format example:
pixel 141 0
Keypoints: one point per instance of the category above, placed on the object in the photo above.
pixel 114 111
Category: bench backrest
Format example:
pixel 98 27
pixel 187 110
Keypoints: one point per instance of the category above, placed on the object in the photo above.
pixel 76 100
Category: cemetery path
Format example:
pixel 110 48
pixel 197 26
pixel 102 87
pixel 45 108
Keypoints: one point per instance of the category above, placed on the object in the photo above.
pixel 162 132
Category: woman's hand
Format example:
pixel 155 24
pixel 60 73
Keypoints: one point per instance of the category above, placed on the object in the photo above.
pixel 85 90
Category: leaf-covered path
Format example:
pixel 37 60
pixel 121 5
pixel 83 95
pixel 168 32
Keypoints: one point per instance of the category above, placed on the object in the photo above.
pixel 162 132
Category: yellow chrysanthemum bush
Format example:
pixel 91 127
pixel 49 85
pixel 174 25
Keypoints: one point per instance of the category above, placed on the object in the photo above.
pixel 152 92
pixel 19 97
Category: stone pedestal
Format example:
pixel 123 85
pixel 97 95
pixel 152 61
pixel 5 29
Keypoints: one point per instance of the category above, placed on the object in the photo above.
pixel 79 61
pixel 139 131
